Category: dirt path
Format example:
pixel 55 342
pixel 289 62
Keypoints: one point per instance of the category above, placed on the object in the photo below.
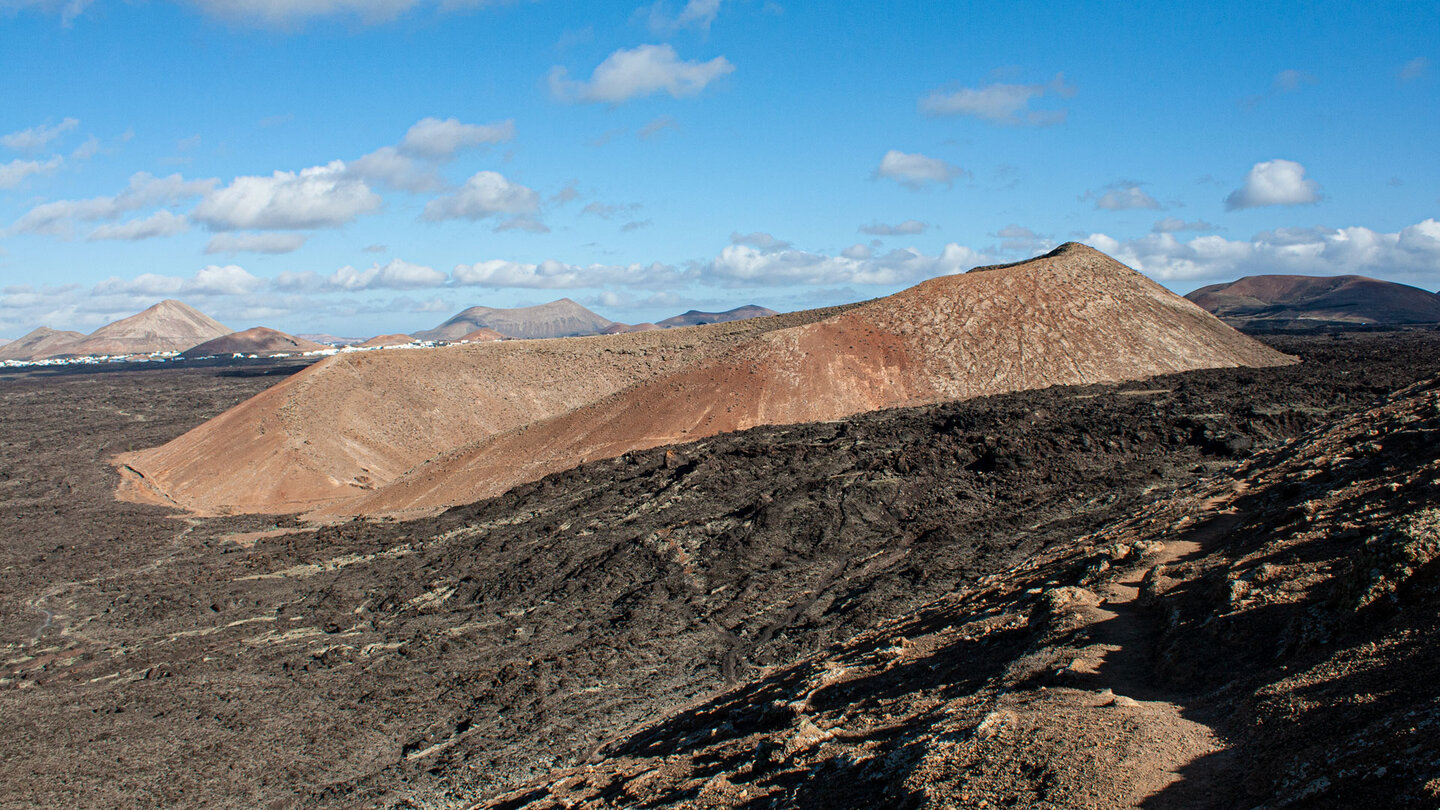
pixel 1125 640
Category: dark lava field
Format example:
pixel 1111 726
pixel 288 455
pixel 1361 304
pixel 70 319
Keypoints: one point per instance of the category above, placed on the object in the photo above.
pixel 153 659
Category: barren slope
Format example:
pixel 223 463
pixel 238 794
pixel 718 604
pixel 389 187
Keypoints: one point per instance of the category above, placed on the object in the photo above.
pixel 695 317
pixel 354 421
pixel 1265 639
pixel 1075 316
pixel 257 340
pixel 169 326
pixel 39 344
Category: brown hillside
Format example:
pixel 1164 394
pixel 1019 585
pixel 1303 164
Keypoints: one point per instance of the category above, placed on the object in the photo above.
pixel 504 413
pixel 169 326
pixel 258 340
pixel 1336 299
pixel 356 421
pixel 39 344
pixel 1074 316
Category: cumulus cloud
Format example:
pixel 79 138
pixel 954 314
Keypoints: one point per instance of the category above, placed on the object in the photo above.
pixel 255 243
pixel 160 223
pixel 1018 238
pixel 527 224
pixel 745 265
pixel 438 139
pixel 211 280
pixel 387 166
pixel 639 72
pixel 759 239
pixel 145 190
pixel 397 274
pixel 1000 103
pixel 1123 197
pixel 319 197
pixel 696 14
pixel 288 13
pixel 1274 182
pixel 916 171
pixel 554 275
pixel 1412 251
pixel 485 194
pixel 37 137
pixel 1176 225
pixel 909 227
pixel 1414 69
pixel 15 172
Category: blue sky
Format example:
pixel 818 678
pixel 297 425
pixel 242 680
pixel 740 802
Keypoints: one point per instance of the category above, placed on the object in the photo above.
pixel 369 166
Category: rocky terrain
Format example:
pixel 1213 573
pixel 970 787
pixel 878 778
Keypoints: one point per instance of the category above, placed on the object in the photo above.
pixel 1073 316
pixel 258 341
pixel 916 606
pixel 1288 302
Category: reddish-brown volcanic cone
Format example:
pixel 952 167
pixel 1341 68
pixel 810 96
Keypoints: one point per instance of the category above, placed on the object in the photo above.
pixel 169 326
pixel 381 341
pixel 480 335
pixel 506 413
pixel 256 340
pixel 1075 316
pixel 355 421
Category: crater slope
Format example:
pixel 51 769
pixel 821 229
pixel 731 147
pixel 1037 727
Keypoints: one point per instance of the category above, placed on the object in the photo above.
pixel 504 414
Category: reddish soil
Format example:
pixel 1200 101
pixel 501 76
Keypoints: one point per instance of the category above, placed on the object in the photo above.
pixel 258 341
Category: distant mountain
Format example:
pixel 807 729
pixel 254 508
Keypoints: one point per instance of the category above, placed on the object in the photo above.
pixel 169 326
pixel 622 328
pixel 258 340
pixel 562 318
pixel 40 344
pixel 386 340
pixel 5 341
pixel 696 318
pixel 330 340
pixel 1279 300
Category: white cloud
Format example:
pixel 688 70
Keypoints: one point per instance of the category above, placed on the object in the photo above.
pixel 1413 252
pixel 397 274
pixel 642 71
pixel 211 280
pixel 744 265
pixel 36 138
pixel 696 14
pixel 388 167
pixel 15 172
pixel 1000 103
pixel 86 150
pixel 160 223
pixel 145 190
pixel 319 197
pixel 1274 182
pixel 656 126
pixel 1414 69
pixel 438 140
pixel 916 171
pixel 485 194
pixel 528 224
pixel 1124 197
pixel 287 13
pixel 1176 225
pixel 255 243
pixel 909 227
pixel 554 275
pixel 759 239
